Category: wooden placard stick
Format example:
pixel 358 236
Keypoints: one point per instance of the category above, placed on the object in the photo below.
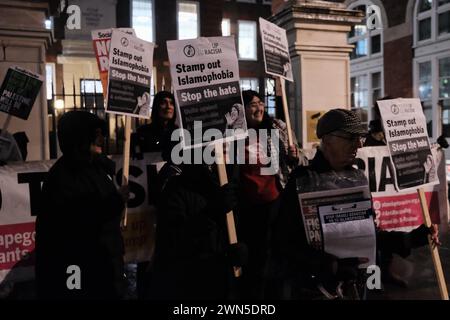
pixel 286 111
pixel 223 179
pixel 434 250
pixel 126 161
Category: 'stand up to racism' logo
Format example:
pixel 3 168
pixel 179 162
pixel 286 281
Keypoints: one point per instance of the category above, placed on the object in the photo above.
pixel 124 42
pixel 189 51
pixel 395 109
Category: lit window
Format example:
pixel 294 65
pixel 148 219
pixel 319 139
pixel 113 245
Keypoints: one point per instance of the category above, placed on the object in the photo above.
pixel 270 97
pixel 226 27
pixel 48 24
pixel 360 92
pixel 433 20
pixel 249 84
pixel 49 75
pixel 444 78
pixel 142 19
pixel 366 42
pixel 425 81
pixel 366 65
pixel 247 40
pixel 188 20
pixel 432 63
pixel 91 93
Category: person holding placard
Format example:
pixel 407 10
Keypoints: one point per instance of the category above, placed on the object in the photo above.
pixel 307 272
pixel 155 137
pixel 193 259
pixel 260 190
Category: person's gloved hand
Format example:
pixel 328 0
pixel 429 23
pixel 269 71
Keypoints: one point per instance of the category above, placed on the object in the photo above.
pixel 124 192
pixel 419 236
pixel 442 142
pixel 347 269
pixel 225 200
pixel 237 254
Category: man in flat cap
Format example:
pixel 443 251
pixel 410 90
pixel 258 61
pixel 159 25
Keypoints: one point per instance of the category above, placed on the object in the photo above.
pixel 299 271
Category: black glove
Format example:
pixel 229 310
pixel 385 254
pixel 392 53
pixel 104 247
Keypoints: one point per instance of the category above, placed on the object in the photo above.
pixel 442 142
pixel 237 254
pixel 419 237
pixel 347 269
pixel 225 200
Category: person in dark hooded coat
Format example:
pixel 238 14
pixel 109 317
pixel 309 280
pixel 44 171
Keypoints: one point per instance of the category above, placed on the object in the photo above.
pixel 79 222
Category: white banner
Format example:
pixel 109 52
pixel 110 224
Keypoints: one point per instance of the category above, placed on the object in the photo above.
pixel 20 189
pixel 401 211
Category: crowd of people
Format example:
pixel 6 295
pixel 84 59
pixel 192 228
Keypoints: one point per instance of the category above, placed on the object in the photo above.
pixel 79 223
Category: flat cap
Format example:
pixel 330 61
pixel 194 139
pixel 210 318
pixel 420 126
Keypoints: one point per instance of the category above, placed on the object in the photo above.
pixel 342 120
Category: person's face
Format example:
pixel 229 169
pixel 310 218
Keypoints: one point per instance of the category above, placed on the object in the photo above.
pixel 234 114
pixel 96 147
pixel 378 135
pixel 166 109
pixel 254 112
pixel 340 149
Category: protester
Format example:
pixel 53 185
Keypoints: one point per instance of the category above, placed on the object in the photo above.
pixel 375 137
pixel 9 149
pixel 300 270
pixel 259 191
pixel 154 137
pixel 79 222
pixel 193 259
pixel 415 238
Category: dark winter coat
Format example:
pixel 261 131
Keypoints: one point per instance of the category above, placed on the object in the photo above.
pixel 79 222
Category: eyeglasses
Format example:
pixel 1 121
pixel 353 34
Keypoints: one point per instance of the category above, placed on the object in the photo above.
pixel 352 139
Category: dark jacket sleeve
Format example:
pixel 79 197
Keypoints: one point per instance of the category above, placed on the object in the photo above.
pixel 401 243
pixel 186 228
pixel 291 242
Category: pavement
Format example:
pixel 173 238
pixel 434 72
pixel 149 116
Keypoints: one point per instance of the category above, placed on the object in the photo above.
pixel 417 272
pixel 419 275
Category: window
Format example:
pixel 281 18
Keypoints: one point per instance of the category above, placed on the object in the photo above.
pixel 360 92
pixel 366 65
pixel 226 31
pixel 444 78
pixel 142 19
pixel 432 63
pixel 425 81
pixel 444 94
pixel 433 20
pixel 50 79
pixel 249 84
pixel 267 2
pixel 270 97
pixel 377 88
pixel 366 42
pixel 91 93
pixel 248 1
pixel 247 40
pixel 188 20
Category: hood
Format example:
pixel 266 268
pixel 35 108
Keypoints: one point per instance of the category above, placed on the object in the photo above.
pixel 76 133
